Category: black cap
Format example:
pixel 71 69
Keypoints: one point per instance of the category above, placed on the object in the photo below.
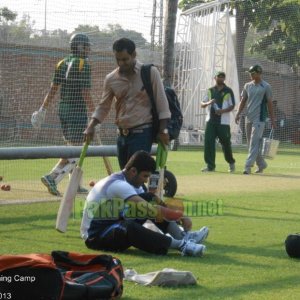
pixel 255 69
pixel 220 74
pixel 292 245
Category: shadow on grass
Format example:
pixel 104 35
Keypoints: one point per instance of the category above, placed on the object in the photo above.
pixel 274 251
pixel 218 257
pixel 287 152
pixel 262 210
pixel 281 219
pixel 289 176
pixel 278 175
pixel 10 219
pixel 282 283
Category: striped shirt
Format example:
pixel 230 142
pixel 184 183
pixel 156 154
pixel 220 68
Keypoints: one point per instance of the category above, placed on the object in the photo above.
pixel 224 98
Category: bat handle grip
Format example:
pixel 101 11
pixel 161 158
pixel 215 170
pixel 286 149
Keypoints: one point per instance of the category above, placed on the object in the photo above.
pixel 83 153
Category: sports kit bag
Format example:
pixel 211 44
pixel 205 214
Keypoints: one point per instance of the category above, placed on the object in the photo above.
pixel 292 245
pixel 61 276
pixel 176 120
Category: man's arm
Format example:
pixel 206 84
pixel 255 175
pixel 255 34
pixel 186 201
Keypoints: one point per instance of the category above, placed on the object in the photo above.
pixel 163 137
pixel 205 104
pixel 162 105
pixel 38 117
pixel 240 109
pixel 156 211
pixel 225 110
pixel 86 94
pixel 50 95
pixel 231 104
pixel 100 112
pixel 206 100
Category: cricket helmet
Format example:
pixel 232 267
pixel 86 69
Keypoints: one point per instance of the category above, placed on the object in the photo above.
pixel 78 41
pixel 255 69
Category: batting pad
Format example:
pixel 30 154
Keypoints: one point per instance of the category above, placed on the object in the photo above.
pixel 165 277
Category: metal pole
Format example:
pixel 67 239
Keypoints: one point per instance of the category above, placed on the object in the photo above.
pixel 58 152
pixel 45 18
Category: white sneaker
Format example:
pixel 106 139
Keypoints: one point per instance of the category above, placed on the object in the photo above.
pixel 190 248
pixel 261 169
pixel 198 236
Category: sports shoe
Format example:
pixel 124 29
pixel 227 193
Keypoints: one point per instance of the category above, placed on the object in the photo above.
pixel 247 171
pixel 82 190
pixel 198 236
pixel 207 169
pixel 190 248
pixel 231 168
pixel 260 169
pixel 50 184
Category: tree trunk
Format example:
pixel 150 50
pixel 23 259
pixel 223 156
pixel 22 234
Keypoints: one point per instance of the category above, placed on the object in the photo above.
pixel 242 27
pixel 169 41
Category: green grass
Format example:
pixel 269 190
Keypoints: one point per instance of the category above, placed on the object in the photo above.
pixel 245 256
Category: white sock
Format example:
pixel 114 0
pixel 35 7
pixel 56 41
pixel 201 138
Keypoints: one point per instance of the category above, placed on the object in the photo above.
pixel 177 244
pixel 56 170
pixel 174 230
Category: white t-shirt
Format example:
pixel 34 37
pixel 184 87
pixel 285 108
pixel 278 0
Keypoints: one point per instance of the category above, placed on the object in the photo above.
pixel 106 201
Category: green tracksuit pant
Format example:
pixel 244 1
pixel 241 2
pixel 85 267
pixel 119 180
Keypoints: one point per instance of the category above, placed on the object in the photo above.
pixel 222 132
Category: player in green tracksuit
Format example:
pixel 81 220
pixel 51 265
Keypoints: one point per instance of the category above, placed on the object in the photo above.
pixel 219 102
pixel 73 76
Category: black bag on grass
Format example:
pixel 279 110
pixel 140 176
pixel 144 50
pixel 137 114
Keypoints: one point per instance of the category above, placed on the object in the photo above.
pixel 61 275
pixel 292 245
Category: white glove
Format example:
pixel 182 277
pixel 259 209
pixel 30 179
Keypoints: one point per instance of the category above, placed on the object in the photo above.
pixel 38 118
pixel 97 128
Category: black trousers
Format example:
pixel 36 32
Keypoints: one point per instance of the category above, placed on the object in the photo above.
pixel 126 233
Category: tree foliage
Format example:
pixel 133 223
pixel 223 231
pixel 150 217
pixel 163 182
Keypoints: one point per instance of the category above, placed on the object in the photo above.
pixel 7 15
pixel 187 4
pixel 24 32
pixel 111 33
pixel 281 42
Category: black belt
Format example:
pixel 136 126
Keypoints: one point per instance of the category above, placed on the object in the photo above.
pixel 136 129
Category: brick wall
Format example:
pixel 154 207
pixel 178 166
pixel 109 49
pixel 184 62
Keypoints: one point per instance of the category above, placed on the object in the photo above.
pixel 25 76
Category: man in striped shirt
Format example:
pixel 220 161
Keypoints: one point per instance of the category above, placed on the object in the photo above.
pixel 219 102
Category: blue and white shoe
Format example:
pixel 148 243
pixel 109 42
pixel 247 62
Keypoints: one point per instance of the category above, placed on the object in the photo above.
pixel 190 248
pixel 198 236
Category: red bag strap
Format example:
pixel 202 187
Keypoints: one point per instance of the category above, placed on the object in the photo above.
pixel 23 260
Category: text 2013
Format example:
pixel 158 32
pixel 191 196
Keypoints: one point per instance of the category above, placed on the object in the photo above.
pixel 5 296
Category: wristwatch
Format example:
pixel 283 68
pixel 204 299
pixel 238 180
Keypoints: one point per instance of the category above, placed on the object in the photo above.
pixel 165 131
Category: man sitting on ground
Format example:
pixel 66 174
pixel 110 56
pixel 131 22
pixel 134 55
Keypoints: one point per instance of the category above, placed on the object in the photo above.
pixel 116 210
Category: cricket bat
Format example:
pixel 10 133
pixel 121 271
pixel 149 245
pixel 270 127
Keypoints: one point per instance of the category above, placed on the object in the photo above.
pixel 106 160
pixel 165 213
pixel 107 164
pixel 66 203
pixel 161 159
